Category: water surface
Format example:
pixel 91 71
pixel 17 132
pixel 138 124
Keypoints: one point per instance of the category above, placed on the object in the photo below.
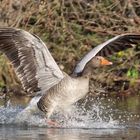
pixel 23 133
pixel 94 118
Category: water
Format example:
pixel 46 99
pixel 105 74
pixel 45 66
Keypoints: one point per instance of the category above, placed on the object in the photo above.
pixel 92 118
pixel 23 133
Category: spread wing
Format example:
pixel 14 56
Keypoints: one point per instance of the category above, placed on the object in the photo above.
pixel 33 63
pixel 116 44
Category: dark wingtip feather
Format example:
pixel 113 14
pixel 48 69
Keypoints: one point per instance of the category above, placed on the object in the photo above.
pixel 124 42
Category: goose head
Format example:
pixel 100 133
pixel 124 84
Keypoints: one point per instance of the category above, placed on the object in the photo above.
pixel 99 61
pixel 96 62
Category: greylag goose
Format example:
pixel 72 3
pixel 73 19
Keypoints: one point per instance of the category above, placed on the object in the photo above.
pixel 40 75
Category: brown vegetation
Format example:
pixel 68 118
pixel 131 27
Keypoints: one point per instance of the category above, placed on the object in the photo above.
pixel 71 28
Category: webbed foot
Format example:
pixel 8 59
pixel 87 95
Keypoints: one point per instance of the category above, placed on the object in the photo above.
pixel 53 123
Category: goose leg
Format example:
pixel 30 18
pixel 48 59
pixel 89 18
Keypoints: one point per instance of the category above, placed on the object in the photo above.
pixel 51 122
pixel 48 105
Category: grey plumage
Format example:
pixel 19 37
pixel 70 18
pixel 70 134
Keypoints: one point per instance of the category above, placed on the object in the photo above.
pixel 31 59
pixel 37 69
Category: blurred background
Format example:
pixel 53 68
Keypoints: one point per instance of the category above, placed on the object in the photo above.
pixel 70 29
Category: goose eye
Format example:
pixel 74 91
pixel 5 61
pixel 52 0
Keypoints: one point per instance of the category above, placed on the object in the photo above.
pixel 98 58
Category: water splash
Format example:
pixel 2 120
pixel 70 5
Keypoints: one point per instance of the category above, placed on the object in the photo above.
pixel 91 113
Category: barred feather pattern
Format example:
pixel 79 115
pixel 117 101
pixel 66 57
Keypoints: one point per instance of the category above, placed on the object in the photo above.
pixel 33 63
pixel 63 94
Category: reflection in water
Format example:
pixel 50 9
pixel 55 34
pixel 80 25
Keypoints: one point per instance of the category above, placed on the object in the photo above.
pixel 16 133
pixel 93 118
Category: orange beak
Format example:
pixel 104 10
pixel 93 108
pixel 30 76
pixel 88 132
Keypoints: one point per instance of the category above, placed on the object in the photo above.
pixel 105 62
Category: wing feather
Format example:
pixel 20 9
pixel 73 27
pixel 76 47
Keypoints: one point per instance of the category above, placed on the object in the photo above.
pixel 115 44
pixel 31 59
